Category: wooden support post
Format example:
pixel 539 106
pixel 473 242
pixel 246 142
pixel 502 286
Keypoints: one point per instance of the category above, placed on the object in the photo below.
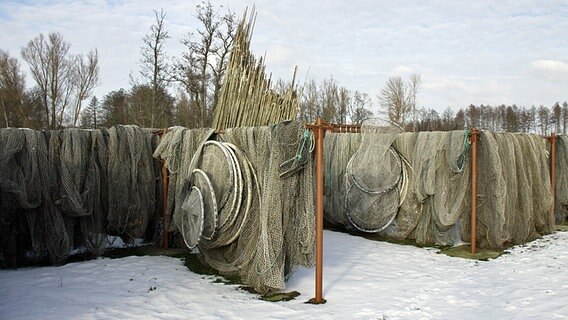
pixel 473 140
pixel 552 140
pixel 319 133
pixel 165 183
pixel 166 221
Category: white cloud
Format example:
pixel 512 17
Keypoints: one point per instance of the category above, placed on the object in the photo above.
pixel 479 52
pixel 550 69
pixel 402 70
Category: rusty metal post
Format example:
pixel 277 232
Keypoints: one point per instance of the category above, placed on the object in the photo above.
pixel 473 140
pixel 319 210
pixel 165 183
pixel 552 139
pixel 319 129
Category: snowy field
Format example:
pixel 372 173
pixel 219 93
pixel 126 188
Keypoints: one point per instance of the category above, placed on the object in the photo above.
pixel 363 279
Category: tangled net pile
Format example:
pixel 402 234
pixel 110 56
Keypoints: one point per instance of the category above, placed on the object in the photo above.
pixel 66 189
pixel 514 197
pixel 245 199
pixel 561 207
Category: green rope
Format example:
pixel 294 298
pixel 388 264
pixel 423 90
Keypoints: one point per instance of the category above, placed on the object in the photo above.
pixel 296 163
pixel 465 151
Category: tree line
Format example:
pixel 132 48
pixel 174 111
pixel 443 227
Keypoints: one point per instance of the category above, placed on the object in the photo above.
pixel 184 90
pixel 539 120
pixel 398 104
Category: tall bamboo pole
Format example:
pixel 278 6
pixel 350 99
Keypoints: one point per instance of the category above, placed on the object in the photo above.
pixel 247 96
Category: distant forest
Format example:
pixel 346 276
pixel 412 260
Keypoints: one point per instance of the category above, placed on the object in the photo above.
pixel 183 90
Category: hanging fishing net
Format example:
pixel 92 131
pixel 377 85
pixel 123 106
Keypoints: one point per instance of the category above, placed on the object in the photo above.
pixel 257 201
pixel 177 148
pixel 561 207
pixel 373 196
pixel 517 166
pixel 201 181
pixel 514 199
pixel 20 192
pixel 56 190
pixel 132 181
pixel 192 218
pixel 280 231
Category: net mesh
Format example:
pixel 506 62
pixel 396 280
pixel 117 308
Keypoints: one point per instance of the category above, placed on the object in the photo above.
pixel 514 199
pixel 55 191
pixel 373 196
pixel 132 178
pixel 257 190
pixel 561 207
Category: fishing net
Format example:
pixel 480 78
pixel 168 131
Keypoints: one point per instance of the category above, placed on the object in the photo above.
pixel 55 191
pixel 514 200
pixel 256 198
pixel 561 207
pixel 20 191
pixel 338 149
pixel 79 189
pixel 132 178
pixel 373 196
pixel 176 148
pixel 279 232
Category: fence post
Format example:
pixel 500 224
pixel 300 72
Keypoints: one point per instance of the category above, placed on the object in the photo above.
pixel 165 183
pixel 552 140
pixel 319 129
pixel 473 140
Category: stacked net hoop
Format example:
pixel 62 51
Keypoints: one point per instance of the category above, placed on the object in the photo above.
pixel 375 178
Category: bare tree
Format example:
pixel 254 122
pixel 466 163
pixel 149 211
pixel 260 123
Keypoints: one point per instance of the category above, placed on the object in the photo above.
pixel 360 108
pixel 343 102
pixel 309 102
pixel 448 120
pixel 414 86
pixel 12 90
pixel 394 97
pixel 530 120
pixel 472 115
pixel 556 115
pixel 85 77
pixel 201 68
pixel 51 68
pixel 140 111
pixel 491 118
pixel 543 115
pixel 329 100
pixel 511 119
pixel 429 120
pixel 460 120
pixel 154 68
pixel 187 112
pixel 62 80
pixel 115 108
pixel 564 117
pixel 225 36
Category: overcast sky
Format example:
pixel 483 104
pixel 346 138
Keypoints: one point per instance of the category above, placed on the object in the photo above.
pixel 467 52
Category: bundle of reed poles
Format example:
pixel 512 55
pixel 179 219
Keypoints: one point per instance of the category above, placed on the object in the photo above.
pixel 247 96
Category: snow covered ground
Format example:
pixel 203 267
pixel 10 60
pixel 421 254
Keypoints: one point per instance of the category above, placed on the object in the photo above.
pixel 363 279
